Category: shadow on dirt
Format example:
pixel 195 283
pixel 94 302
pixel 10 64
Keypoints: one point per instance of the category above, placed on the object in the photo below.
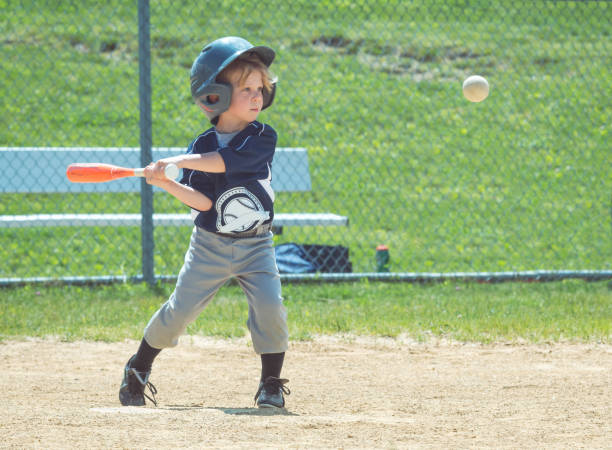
pixel 234 411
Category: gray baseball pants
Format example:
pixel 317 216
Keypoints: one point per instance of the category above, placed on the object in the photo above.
pixel 210 262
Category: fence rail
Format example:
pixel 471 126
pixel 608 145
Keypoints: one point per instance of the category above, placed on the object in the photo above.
pixel 538 276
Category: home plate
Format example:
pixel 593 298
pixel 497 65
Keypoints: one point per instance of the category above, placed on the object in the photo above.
pixel 127 410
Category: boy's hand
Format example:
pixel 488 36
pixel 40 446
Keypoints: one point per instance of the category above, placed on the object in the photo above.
pixel 155 173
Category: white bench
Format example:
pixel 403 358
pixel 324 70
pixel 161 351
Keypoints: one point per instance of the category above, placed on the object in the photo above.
pixel 43 170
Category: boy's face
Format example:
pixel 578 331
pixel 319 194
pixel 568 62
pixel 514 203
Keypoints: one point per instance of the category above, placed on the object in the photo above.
pixel 247 100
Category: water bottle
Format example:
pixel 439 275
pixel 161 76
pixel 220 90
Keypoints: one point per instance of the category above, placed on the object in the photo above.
pixel 382 258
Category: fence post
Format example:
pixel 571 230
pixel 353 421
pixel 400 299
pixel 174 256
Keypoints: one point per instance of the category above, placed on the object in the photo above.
pixel 144 94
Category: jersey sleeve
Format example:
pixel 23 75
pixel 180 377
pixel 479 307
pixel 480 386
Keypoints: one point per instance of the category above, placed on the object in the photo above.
pixel 251 159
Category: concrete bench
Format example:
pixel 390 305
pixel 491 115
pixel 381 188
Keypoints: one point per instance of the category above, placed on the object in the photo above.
pixel 43 170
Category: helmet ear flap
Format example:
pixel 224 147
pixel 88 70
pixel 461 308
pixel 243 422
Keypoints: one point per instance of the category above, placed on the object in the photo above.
pixel 222 94
pixel 268 97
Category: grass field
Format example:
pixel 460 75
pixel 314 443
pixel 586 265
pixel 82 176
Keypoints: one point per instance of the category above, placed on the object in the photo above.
pixel 518 182
pixel 570 311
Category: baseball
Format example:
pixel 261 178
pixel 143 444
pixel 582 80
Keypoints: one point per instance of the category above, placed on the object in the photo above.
pixel 475 88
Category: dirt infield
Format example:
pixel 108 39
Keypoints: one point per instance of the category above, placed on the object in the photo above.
pixel 346 393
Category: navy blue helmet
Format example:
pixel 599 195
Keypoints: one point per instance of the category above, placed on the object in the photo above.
pixel 215 57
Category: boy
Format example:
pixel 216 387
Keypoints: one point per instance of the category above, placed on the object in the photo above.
pixel 226 182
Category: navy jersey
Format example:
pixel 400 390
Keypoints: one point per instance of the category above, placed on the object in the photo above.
pixel 242 197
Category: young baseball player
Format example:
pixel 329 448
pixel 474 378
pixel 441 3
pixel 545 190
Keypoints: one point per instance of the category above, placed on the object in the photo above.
pixel 226 182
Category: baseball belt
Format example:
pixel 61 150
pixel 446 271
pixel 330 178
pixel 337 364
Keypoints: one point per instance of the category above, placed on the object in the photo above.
pixel 260 230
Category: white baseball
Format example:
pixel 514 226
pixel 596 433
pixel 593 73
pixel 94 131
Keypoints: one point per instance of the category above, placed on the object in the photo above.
pixel 475 88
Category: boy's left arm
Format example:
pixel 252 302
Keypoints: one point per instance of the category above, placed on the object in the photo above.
pixel 256 152
pixel 211 162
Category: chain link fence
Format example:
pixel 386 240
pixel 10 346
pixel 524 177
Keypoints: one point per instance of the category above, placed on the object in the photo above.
pixel 372 89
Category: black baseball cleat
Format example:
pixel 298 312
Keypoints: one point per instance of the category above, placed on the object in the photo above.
pixel 131 392
pixel 270 393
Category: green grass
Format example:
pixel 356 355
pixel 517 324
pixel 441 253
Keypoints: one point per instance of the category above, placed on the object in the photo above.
pixel 518 182
pixel 372 89
pixel 550 312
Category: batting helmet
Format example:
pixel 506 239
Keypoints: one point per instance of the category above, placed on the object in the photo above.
pixel 215 57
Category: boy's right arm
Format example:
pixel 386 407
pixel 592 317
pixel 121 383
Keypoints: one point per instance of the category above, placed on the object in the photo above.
pixel 154 174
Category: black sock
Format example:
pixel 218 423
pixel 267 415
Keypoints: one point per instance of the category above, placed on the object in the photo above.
pixel 144 357
pixel 271 365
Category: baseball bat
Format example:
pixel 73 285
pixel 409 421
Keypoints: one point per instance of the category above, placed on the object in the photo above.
pixel 98 172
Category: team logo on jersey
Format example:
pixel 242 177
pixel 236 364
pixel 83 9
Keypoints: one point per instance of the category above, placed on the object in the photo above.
pixel 238 210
